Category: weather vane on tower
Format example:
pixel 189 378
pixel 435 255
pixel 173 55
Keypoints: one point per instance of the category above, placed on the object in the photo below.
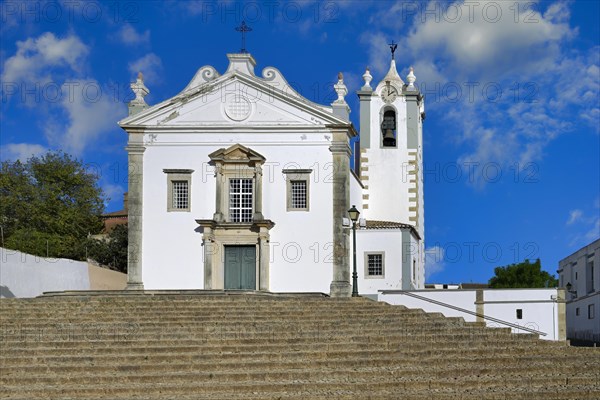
pixel 393 47
pixel 243 28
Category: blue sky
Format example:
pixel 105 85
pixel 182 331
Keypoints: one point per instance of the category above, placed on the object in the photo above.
pixel 512 141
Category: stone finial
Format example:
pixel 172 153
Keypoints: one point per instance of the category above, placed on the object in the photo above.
pixel 140 90
pixel 340 89
pixel 411 78
pixel 339 107
pixel 368 78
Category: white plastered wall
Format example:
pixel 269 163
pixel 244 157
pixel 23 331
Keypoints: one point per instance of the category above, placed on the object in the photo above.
pixel 300 243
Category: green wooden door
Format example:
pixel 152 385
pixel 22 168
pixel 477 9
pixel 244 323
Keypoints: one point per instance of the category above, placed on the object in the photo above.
pixel 240 267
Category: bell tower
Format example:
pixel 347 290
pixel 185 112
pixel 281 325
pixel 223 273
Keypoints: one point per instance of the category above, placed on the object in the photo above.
pixel 391 148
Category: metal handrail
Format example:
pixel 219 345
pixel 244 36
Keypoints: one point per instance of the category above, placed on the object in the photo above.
pixel 440 303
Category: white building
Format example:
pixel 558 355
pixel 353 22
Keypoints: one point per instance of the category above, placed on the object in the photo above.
pixel 540 311
pixel 238 182
pixel 580 274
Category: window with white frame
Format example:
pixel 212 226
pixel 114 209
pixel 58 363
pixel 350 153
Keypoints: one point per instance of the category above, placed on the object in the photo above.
pixel 179 185
pixel 374 265
pixel 240 200
pixel 298 189
pixel 591 311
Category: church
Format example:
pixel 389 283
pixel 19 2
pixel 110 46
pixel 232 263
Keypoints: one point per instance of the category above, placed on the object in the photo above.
pixel 240 183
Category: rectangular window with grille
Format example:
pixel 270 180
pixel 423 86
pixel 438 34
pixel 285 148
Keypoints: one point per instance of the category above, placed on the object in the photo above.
pixel 297 189
pixel 375 265
pixel 240 200
pixel 298 194
pixel 180 192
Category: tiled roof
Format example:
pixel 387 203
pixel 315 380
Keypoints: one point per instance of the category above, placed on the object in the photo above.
pixel 386 225
pixel 110 222
pixel 120 213
pixel 372 224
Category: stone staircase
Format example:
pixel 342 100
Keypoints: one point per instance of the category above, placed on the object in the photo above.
pixel 259 346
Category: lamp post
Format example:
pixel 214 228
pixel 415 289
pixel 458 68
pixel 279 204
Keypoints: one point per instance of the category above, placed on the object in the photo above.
pixel 568 286
pixel 354 213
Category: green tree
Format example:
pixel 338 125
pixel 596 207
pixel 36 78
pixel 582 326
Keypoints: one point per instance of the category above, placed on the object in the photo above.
pixel 49 205
pixel 112 250
pixel 522 275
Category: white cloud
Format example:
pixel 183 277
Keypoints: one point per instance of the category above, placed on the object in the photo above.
pixel 21 151
pixel 574 216
pixel 89 112
pixel 352 81
pixel 584 228
pixel 35 55
pixel 594 232
pixel 113 193
pixel 129 36
pixel 482 40
pixel 82 109
pixel 507 124
pixel 434 261
pixel 150 65
pixel 558 12
pixel 377 45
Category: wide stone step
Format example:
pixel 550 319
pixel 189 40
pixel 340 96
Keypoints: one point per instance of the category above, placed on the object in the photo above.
pixel 72 369
pixel 418 380
pixel 194 302
pixel 305 314
pixel 35 349
pixel 268 313
pixel 395 340
pixel 477 384
pixel 217 356
pixel 372 318
pixel 572 393
pixel 41 327
pixel 228 336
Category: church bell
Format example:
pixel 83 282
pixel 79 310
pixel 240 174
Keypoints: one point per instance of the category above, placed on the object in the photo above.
pixel 388 126
pixel 388 138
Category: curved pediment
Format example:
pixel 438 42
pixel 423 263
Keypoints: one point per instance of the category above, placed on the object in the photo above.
pixel 235 99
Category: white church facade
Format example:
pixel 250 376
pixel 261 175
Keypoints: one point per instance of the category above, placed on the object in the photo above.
pixel 239 182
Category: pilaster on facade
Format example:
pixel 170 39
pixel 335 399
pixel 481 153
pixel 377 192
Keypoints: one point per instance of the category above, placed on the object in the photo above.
pixel 340 149
pixel 135 151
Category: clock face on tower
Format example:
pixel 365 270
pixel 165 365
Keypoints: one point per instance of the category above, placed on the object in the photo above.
pixel 389 94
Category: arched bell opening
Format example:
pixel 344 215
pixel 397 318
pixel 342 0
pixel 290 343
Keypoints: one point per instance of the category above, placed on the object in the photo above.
pixel 388 128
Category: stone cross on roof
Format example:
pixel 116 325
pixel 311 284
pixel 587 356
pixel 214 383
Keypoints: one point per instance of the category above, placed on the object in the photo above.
pixel 393 47
pixel 243 28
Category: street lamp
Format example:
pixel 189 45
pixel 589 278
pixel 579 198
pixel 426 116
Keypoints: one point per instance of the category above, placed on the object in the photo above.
pixel 354 213
pixel 568 286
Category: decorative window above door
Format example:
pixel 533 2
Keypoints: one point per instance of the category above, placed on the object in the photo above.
pixel 238 172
